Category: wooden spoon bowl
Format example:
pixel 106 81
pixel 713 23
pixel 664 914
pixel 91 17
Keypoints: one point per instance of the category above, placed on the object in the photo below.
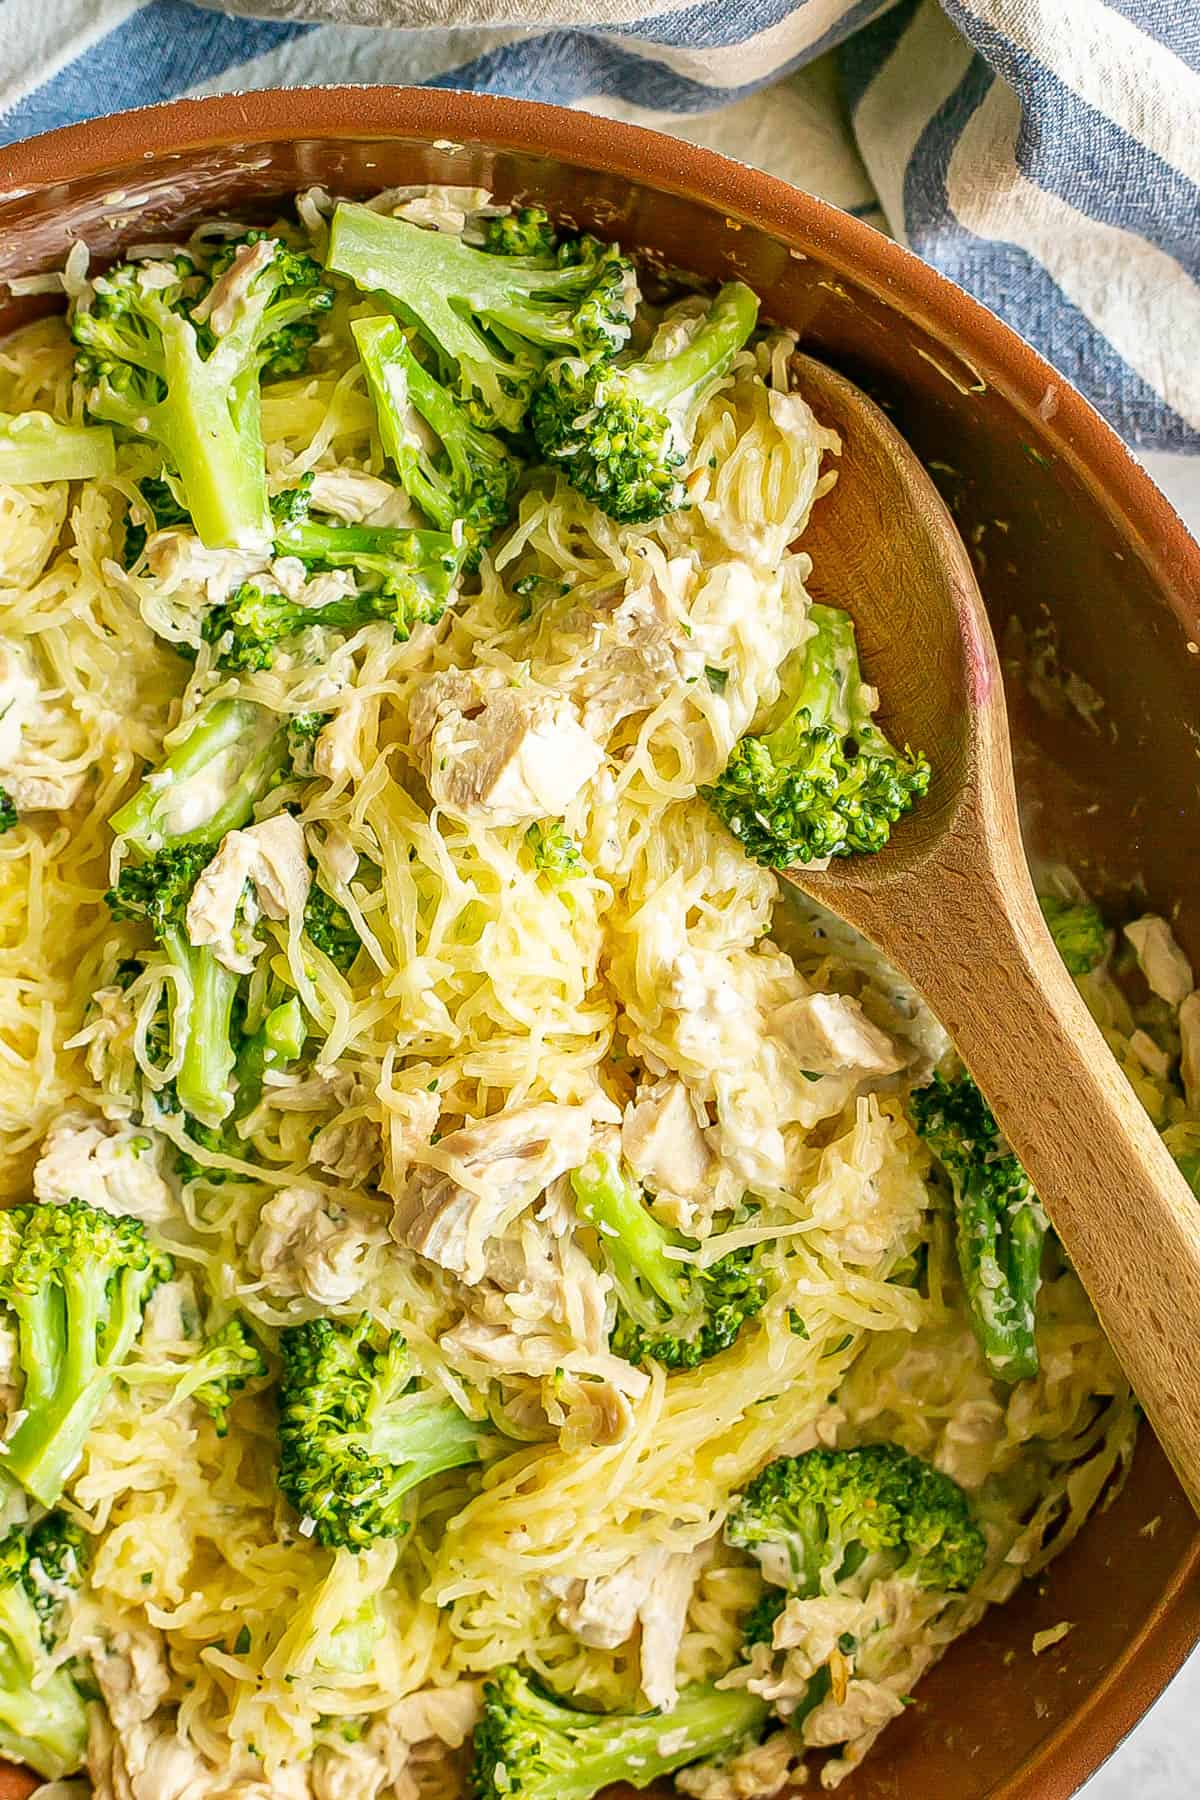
pixel 950 903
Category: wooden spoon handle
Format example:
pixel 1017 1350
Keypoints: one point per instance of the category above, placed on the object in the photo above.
pixel 1106 1180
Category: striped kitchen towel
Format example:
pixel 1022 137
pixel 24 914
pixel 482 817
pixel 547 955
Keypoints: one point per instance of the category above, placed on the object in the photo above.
pixel 1044 153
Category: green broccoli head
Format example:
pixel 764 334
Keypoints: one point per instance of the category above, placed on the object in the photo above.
pixel 758 1625
pixel 824 781
pixel 526 231
pixel 8 811
pixel 159 889
pixel 1000 1225
pixel 530 1746
pixel 827 1517
pixel 1183 1141
pixel 622 432
pixel 43 1717
pixel 75 1282
pixel 666 1312
pixel 555 853
pixel 230 1359
pixel 329 926
pixel 358 1432
pixel 180 364
pixel 160 501
pixel 1078 930
pixel 490 321
pixel 407 577
pixel 462 477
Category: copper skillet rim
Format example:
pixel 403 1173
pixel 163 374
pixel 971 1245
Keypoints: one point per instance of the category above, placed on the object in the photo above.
pixel 984 344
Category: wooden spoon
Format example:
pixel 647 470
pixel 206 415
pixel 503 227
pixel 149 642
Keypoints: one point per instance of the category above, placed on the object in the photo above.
pixel 951 904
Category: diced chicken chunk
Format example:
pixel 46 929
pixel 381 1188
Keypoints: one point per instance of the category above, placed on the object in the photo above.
pixel 1167 970
pixel 272 859
pixel 473 1183
pixel 602 1612
pixel 116 1168
pixel 308 1243
pixel 830 1034
pixel 663 1142
pixel 498 754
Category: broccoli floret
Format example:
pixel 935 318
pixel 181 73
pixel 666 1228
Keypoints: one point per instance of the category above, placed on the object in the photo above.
pixel 161 502
pixel 43 1716
pixel 357 1430
pixel 8 811
pixel 758 1626
pixel 665 1312
pixel 75 1281
pixel 181 365
pixel 817 1520
pixel 465 479
pixel 530 1746
pixel 1000 1225
pixel 622 432
pixel 230 1358
pixel 824 781
pixel 555 853
pixel 246 742
pixel 1183 1141
pixel 202 1012
pixel 329 926
pixel 34 446
pixel 526 231
pixel 406 577
pixel 491 321
pixel 1078 932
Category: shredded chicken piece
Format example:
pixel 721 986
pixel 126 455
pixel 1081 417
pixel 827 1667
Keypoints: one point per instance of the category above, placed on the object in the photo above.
pixel 498 754
pixel 34 777
pixel 349 494
pixel 753 1774
pixel 468 1187
pixel 219 306
pixel 653 1589
pixel 663 1141
pixel 115 1167
pixel 306 589
pixel 177 559
pixel 337 751
pixel 308 1243
pixel 272 859
pixel 1152 1056
pixel 1166 968
pixel 351 1149
pixel 830 1034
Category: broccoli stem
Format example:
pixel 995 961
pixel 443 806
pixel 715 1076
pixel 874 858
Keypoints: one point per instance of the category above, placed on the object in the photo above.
pixel 211 428
pixel 45 1727
pixel 395 380
pixel 1001 1264
pixel 634 1242
pixel 203 1031
pixel 831 690
pixel 36 447
pixel 701 362
pixel 425 1438
pixel 531 1746
pixel 230 758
